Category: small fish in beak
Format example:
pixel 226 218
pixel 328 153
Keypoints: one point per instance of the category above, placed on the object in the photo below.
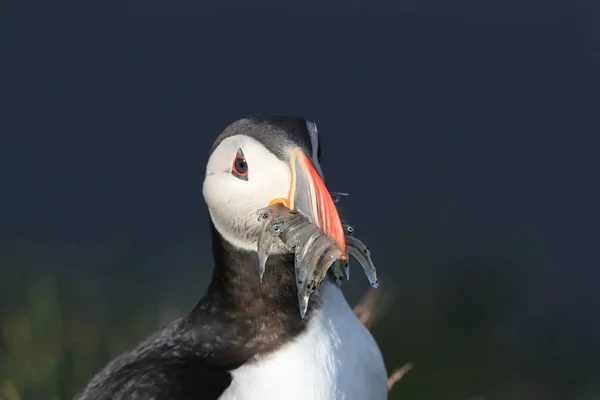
pixel 314 251
pixel 356 248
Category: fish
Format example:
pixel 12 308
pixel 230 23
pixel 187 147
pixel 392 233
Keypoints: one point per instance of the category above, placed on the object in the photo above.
pixel 355 246
pixel 315 253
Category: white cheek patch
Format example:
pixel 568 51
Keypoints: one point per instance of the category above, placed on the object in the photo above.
pixel 232 202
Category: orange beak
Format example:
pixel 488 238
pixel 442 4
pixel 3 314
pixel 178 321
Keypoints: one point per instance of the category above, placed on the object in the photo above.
pixel 309 196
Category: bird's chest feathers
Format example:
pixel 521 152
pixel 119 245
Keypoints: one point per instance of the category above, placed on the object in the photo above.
pixel 336 358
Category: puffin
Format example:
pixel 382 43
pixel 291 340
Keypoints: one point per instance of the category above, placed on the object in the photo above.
pixel 245 339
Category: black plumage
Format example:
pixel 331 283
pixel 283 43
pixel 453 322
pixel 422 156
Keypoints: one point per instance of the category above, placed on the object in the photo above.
pixel 272 132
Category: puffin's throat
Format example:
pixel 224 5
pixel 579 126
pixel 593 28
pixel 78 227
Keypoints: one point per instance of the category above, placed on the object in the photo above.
pixel 261 315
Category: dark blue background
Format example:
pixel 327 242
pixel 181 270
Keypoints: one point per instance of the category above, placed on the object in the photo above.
pixel 466 132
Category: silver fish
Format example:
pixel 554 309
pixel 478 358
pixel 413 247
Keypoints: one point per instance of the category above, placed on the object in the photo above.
pixel 315 253
pixel 356 247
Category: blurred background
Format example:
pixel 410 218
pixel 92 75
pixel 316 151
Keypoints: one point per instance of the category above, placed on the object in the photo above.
pixel 466 132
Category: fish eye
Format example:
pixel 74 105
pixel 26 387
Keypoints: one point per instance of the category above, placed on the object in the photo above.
pixel 239 169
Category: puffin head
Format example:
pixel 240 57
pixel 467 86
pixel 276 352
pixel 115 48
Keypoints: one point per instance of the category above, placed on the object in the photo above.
pixel 262 160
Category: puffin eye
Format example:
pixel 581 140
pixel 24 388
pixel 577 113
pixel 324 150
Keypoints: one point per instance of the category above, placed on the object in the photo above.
pixel 239 169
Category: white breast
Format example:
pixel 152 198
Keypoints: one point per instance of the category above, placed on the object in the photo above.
pixel 336 358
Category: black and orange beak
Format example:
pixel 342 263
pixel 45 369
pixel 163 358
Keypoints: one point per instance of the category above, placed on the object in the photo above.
pixel 309 196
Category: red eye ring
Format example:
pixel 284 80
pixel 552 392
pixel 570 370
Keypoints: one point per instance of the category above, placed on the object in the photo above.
pixel 239 168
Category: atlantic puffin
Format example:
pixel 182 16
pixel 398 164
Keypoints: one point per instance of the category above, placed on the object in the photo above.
pixel 245 339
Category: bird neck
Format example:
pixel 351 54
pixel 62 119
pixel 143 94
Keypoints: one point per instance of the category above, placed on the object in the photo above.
pixel 264 313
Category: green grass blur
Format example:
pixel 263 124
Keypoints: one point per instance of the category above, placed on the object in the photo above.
pixel 53 341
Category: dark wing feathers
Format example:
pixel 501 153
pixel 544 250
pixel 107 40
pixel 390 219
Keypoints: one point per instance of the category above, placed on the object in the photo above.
pixel 167 365
pixel 180 378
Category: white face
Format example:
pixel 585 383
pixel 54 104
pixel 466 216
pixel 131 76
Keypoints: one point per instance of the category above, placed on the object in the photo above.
pixel 232 201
